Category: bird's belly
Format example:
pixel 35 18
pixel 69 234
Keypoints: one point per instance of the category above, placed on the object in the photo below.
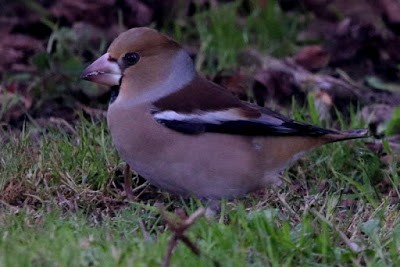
pixel 197 166
pixel 187 179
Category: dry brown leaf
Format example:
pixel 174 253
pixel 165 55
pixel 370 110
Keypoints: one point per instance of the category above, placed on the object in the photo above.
pixel 312 57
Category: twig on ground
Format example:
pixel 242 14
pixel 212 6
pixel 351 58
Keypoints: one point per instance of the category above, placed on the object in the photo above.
pixel 287 206
pixel 352 245
pixel 178 227
pixel 146 235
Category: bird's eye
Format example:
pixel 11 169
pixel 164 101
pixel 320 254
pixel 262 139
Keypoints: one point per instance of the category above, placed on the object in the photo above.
pixel 131 58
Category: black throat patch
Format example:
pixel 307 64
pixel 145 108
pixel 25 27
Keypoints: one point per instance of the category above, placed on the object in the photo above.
pixel 114 94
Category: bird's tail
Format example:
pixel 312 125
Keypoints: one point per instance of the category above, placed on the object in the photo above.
pixel 347 135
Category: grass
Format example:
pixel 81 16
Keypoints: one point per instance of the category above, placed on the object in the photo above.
pixel 255 238
pixel 62 203
pixel 258 236
pixel 221 39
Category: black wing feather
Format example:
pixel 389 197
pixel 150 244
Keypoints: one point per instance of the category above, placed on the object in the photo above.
pixel 245 127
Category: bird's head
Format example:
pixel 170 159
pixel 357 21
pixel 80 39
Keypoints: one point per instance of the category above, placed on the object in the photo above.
pixel 142 61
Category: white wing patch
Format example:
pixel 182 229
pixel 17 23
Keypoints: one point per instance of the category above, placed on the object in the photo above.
pixel 268 119
pixel 215 117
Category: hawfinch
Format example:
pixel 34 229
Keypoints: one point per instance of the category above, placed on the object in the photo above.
pixel 188 135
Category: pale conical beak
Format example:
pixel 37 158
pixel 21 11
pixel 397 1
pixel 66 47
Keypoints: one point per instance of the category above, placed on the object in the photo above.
pixel 103 71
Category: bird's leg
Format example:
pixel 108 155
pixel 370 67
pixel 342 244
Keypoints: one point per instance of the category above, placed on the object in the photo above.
pixel 213 208
pixel 128 182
